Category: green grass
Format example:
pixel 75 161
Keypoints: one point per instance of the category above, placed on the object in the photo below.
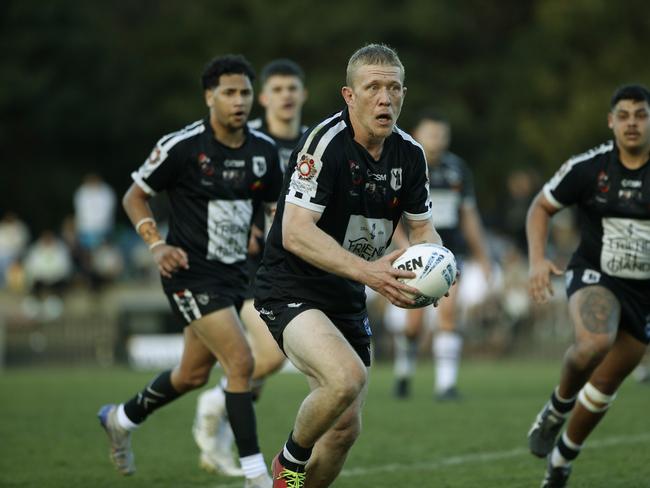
pixel 49 436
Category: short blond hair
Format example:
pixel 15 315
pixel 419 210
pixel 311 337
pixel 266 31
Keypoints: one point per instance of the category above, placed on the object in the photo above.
pixel 379 54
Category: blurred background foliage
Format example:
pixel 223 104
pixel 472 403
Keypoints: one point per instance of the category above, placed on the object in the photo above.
pixel 90 86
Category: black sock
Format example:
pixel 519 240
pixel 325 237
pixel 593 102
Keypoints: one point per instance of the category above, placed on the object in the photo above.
pixel 562 407
pixel 242 420
pixel 567 452
pixel 156 394
pixel 299 453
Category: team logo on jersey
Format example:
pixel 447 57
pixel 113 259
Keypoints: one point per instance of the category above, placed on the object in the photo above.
pixel 306 167
pixel 205 164
pixel 603 182
pixel 259 166
pixel 396 178
pixel 203 298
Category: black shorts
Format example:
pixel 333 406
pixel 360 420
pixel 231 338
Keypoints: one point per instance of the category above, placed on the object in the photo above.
pixel 189 305
pixel 355 328
pixel 635 305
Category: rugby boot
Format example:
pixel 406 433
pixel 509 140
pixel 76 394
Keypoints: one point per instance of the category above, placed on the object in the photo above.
pixel 285 478
pixel 544 431
pixel 119 439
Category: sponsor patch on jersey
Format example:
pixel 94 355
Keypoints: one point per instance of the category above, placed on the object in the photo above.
pixel 367 237
pixel 306 167
pixel 305 175
pixel 259 166
pixel 396 178
pixel 203 298
pixel 626 248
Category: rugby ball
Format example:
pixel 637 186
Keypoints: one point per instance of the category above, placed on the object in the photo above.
pixel 435 271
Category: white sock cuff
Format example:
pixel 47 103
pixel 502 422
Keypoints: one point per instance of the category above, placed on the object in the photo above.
pixel 253 465
pixel 569 443
pixel 562 399
pixel 124 421
pixel 289 457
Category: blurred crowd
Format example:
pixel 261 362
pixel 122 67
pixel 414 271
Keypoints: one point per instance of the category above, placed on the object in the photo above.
pixel 88 250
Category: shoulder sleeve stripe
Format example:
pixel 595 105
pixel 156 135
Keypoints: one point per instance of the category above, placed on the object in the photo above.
pixel 261 135
pixel 572 162
pixel 407 137
pixel 179 136
pixel 164 139
pixel 327 138
pixel 255 124
pixel 316 130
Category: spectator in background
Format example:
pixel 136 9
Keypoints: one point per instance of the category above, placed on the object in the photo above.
pixel 94 208
pixel 521 187
pixel 48 269
pixel 14 237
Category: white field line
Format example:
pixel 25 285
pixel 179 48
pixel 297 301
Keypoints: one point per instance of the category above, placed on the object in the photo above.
pixel 478 457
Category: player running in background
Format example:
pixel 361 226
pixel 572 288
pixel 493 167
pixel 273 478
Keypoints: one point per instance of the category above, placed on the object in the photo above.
pixel 353 177
pixel 216 172
pixel 608 278
pixel 457 220
pixel 282 95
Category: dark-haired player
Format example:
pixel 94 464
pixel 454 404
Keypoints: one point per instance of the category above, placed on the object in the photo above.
pixel 608 278
pixel 216 172
pixel 282 95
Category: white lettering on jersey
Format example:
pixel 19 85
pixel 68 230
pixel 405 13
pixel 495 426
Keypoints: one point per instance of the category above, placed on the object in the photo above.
pixel 228 224
pixel 366 237
pixel 445 204
pixel 626 248
pixel 234 163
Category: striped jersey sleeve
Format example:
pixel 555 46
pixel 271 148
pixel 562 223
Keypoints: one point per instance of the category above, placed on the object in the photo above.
pixel 314 175
pixel 566 186
pixel 162 166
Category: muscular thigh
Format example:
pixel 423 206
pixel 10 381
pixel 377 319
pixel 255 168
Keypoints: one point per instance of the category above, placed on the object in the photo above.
pixel 594 311
pixel 222 333
pixel 318 349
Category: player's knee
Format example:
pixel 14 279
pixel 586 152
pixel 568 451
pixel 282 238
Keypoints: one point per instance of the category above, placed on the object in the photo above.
pixel 242 367
pixel 594 400
pixel 345 388
pixel 191 380
pixel 591 352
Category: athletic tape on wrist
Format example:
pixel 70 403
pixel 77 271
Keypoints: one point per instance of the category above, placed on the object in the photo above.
pixel 156 244
pixel 141 222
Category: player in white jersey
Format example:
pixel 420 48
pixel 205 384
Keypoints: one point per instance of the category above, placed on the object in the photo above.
pixel 607 280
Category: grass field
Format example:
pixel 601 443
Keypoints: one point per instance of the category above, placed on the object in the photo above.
pixel 50 437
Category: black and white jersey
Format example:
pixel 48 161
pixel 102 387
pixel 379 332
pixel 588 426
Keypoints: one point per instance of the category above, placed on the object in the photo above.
pixel 360 201
pixel 213 192
pixel 285 146
pixel 451 187
pixel 614 212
